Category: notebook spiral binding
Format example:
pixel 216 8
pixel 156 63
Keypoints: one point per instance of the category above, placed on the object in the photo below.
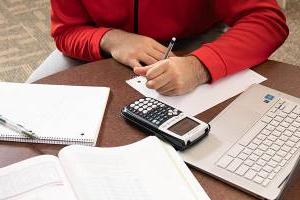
pixel 46 140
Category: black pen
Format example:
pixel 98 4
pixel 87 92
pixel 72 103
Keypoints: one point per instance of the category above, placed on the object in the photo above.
pixel 169 48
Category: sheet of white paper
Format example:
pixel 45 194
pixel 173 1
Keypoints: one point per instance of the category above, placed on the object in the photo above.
pixel 205 96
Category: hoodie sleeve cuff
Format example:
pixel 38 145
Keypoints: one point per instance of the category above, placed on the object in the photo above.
pixel 212 61
pixel 95 50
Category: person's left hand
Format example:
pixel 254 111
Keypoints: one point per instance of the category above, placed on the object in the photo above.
pixel 175 75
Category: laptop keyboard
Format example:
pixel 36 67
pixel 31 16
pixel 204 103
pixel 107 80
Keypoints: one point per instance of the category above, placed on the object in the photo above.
pixel 268 146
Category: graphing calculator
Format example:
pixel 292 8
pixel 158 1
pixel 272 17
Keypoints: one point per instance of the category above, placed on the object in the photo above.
pixel 166 122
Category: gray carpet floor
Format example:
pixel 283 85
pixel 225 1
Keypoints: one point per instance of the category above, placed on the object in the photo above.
pixel 289 52
pixel 25 40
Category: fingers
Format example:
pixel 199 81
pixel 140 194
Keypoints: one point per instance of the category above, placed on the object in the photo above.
pixel 147 59
pixel 162 50
pixel 151 55
pixel 152 71
pixel 141 71
pixel 136 63
pixel 166 88
pixel 173 92
pixel 158 82
pixel 156 54
pixel 159 47
pixel 133 63
pixel 157 69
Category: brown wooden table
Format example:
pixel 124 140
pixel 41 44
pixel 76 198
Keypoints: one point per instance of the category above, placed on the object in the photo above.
pixel 115 131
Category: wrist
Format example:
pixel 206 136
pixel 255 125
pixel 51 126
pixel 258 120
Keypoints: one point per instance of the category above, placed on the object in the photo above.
pixel 109 39
pixel 201 72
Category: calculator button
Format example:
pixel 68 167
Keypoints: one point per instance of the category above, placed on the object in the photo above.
pixel 145 106
pixel 131 105
pixel 149 108
pixel 131 109
pixel 140 109
pixel 136 107
pixel 154 106
pixel 141 100
pixel 144 111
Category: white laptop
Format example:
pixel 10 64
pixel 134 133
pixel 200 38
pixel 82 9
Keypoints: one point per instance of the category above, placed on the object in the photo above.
pixel 254 143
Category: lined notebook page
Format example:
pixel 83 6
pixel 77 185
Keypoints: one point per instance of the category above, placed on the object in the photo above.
pixel 37 178
pixel 140 171
pixel 64 113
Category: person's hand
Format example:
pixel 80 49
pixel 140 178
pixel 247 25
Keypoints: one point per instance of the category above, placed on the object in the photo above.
pixel 175 75
pixel 131 49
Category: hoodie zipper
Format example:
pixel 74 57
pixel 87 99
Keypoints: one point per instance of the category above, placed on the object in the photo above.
pixel 135 16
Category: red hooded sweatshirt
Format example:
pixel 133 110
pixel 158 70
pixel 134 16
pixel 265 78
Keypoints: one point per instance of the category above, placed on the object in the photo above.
pixel 258 27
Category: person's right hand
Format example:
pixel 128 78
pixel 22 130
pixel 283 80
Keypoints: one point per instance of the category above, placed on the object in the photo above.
pixel 131 49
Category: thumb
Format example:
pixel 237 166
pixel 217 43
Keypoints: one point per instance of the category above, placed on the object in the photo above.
pixel 134 63
pixel 141 71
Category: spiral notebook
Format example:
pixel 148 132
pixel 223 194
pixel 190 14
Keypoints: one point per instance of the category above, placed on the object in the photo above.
pixel 57 114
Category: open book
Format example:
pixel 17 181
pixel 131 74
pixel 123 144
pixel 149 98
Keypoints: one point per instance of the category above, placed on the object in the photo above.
pixel 146 170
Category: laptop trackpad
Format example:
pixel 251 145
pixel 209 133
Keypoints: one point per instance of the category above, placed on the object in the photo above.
pixel 233 123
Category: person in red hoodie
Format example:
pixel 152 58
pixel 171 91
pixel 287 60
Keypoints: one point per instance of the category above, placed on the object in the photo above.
pixel 131 31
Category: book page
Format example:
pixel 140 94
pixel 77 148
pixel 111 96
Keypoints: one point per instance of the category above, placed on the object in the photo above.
pixel 38 178
pixel 185 172
pixel 140 171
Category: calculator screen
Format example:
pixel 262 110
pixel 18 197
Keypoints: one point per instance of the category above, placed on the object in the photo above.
pixel 183 126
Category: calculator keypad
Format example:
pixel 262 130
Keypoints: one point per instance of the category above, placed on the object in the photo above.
pixel 153 110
